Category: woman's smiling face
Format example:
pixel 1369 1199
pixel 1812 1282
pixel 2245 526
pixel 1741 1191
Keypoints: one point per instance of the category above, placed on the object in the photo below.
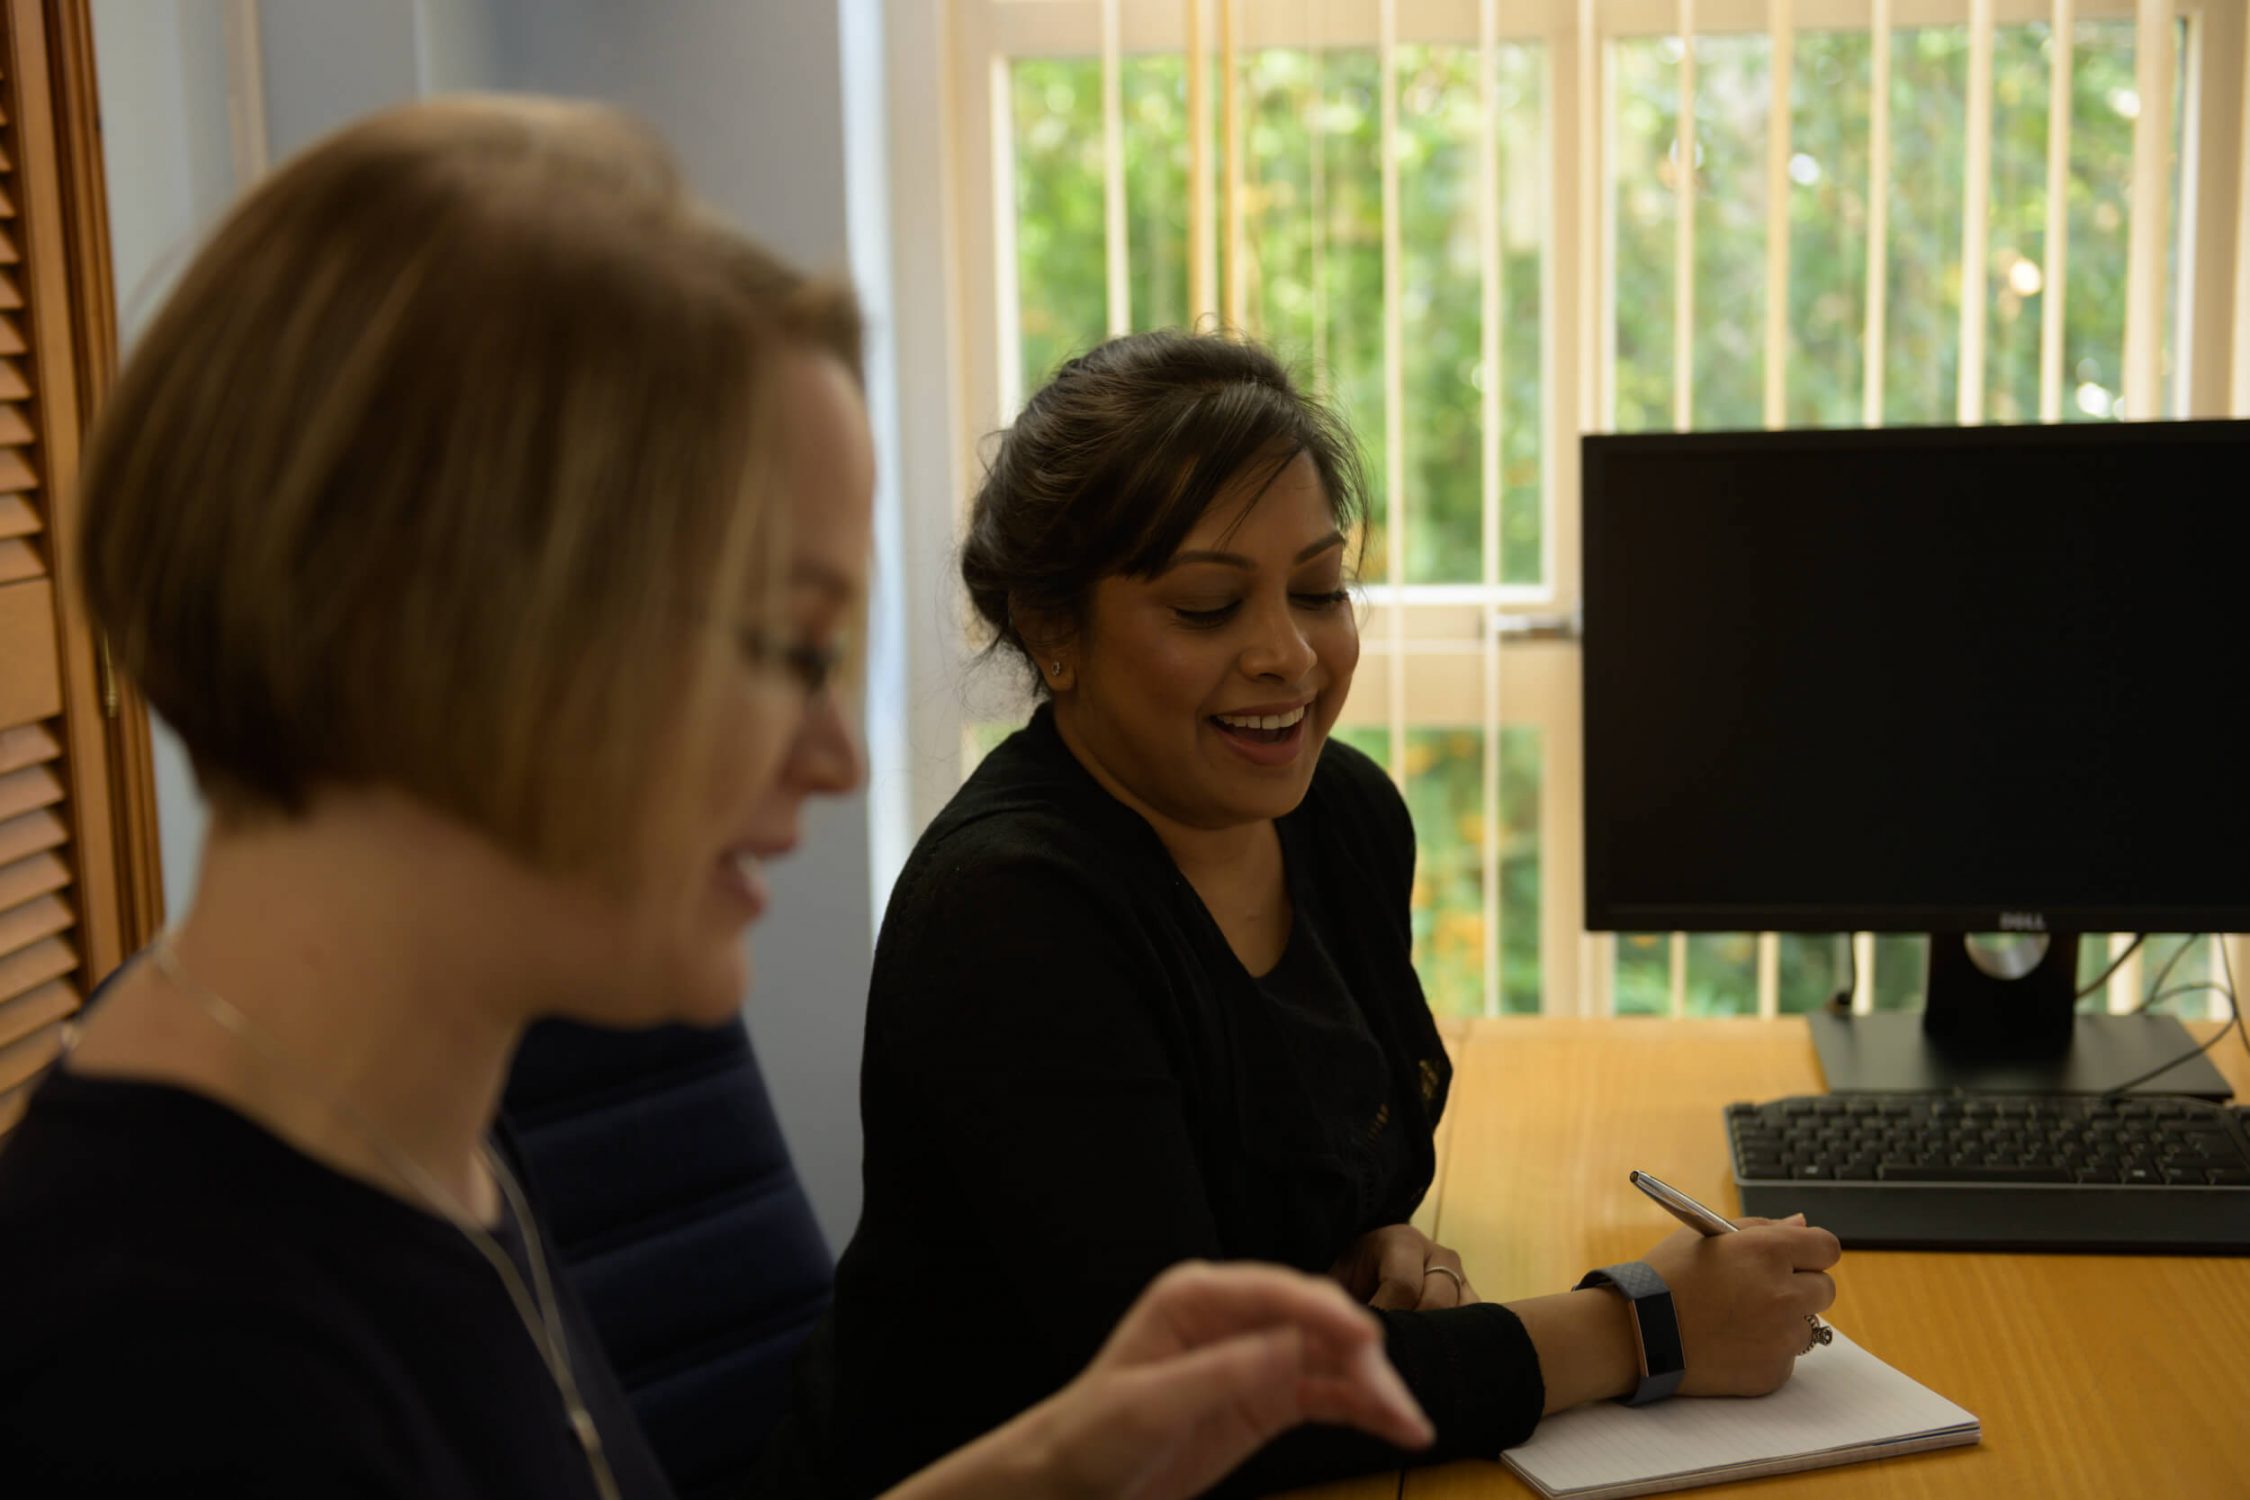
pixel 1202 695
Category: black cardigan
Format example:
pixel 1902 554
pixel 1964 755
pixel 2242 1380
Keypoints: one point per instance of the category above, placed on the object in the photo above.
pixel 1070 1083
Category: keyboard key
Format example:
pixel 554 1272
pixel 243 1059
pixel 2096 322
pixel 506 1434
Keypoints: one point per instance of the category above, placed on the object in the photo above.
pixel 1891 1172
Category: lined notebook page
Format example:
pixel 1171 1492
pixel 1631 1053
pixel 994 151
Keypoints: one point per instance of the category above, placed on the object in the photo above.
pixel 1842 1405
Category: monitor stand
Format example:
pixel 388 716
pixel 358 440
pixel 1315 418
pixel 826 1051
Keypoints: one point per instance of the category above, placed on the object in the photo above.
pixel 2003 1021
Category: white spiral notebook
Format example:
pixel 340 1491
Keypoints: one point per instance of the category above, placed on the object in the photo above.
pixel 1842 1406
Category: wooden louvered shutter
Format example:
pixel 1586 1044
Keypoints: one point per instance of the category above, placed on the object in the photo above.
pixel 77 849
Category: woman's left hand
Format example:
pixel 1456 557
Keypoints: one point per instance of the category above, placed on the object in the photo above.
pixel 1398 1266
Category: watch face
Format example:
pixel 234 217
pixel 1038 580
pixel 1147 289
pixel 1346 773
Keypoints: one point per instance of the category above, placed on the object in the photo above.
pixel 1661 1354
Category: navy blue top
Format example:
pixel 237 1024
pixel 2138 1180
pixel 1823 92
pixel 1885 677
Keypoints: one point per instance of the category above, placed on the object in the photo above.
pixel 198 1309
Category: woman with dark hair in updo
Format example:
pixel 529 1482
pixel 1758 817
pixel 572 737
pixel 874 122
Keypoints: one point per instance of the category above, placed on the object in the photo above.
pixel 1145 989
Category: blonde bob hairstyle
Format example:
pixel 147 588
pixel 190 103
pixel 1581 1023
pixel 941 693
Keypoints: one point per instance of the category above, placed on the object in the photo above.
pixel 443 469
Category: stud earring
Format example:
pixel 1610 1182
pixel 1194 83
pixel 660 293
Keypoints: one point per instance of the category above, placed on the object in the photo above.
pixel 1054 668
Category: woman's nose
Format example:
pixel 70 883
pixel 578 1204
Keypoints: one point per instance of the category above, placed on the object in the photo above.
pixel 827 759
pixel 1279 652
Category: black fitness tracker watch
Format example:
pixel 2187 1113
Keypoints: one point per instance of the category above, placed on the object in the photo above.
pixel 1656 1326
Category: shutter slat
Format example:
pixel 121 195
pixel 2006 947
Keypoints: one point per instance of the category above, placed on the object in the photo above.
pixel 7 204
pixel 20 562
pixel 9 255
pixel 16 472
pixel 32 922
pixel 15 427
pixel 30 667
pixel 33 833
pixel 11 295
pixel 27 790
pixel 17 518
pixel 27 1059
pixel 26 745
pixel 44 1006
pixel 13 387
pixel 39 875
pixel 25 971
pixel 12 1106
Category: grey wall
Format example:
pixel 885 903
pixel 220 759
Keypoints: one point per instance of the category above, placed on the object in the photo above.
pixel 750 94
pixel 168 153
pixel 329 61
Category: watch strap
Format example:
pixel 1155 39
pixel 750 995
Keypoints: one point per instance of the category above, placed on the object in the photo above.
pixel 1656 1326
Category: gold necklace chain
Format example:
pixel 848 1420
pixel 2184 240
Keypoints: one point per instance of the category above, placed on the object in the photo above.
pixel 536 1305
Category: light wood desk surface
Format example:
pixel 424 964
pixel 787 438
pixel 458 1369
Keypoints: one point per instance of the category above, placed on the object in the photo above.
pixel 2093 1375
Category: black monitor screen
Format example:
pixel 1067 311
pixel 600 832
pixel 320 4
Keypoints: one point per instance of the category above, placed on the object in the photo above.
pixel 1960 680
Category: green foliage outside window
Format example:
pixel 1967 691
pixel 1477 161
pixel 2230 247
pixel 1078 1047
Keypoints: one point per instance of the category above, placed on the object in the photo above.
pixel 1445 795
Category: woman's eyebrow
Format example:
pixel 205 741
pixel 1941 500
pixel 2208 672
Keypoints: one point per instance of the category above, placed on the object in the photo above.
pixel 1237 560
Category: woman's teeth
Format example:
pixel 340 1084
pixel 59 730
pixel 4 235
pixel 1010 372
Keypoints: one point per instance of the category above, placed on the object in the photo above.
pixel 1262 721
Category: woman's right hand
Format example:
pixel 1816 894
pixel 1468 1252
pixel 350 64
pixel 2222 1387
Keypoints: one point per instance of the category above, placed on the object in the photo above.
pixel 1211 1363
pixel 1742 1300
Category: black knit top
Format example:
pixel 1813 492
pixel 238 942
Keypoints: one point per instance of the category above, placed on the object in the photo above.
pixel 1071 1082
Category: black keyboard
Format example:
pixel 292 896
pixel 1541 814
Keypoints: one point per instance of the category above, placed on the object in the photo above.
pixel 2000 1172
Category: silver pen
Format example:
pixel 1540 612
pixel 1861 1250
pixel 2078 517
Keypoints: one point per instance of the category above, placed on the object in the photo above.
pixel 1704 1221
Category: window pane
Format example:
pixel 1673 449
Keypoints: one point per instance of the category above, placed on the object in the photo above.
pixel 1646 122
pixel 1521 100
pixel 1929 108
pixel 1441 316
pixel 1284 189
pixel 1722 974
pixel 1061 286
pixel 1830 93
pixel 1733 102
pixel 2103 107
pixel 1444 793
pixel 2188 977
pixel 1642 984
pixel 1349 269
pixel 1902 967
pixel 1814 966
pixel 1522 769
pixel 1152 101
pixel 2013 286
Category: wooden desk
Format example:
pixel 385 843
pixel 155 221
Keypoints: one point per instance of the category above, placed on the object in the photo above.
pixel 2098 1376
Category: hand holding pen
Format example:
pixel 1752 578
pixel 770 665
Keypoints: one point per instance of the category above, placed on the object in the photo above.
pixel 1708 1222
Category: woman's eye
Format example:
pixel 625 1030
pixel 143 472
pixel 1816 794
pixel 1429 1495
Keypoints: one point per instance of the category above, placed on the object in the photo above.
pixel 1327 599
pixel 1216 614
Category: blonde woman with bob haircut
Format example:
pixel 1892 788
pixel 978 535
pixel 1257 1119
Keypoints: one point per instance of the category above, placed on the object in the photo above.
pixel 487 518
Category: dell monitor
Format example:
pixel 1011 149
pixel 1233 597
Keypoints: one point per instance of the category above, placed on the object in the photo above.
pixel 1961 681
